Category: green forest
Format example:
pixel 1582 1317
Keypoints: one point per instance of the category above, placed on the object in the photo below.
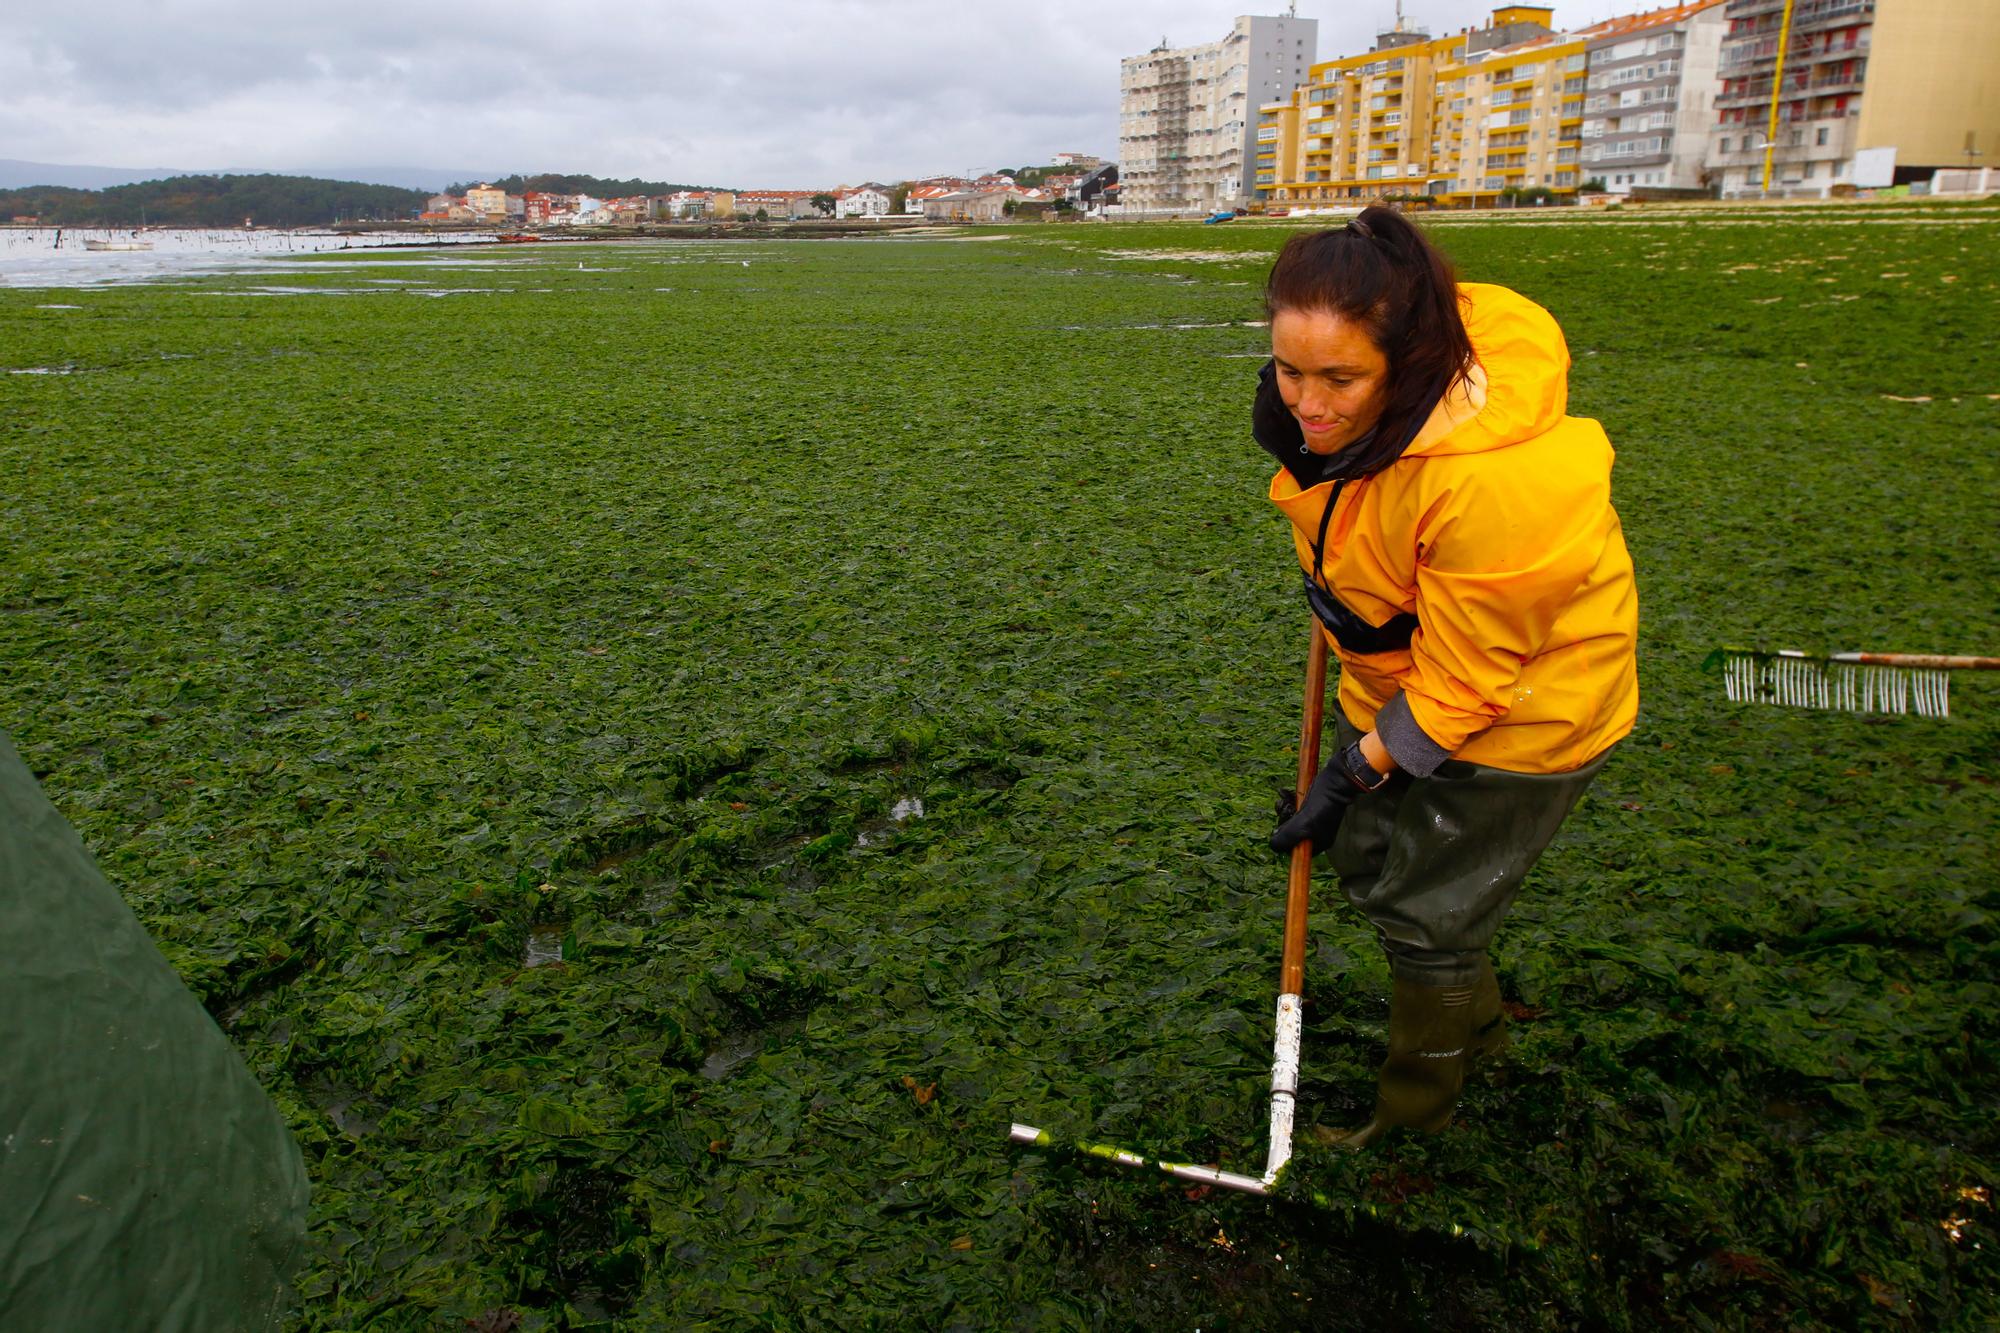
pixel 214 201
pixel 554 182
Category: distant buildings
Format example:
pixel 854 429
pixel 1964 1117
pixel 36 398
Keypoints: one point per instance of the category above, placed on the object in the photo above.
pixel 1460 119
pixel 983 198
pixel 1674 99
pixel 1187 116
pixel 488 204
pixel 970 205
pixel 1651 97
pixel 862 201
pixel 1873 92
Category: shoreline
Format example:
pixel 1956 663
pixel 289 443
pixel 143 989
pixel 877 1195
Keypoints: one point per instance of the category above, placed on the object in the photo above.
pixel 450 232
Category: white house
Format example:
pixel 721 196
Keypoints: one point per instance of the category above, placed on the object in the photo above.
pixel 863 201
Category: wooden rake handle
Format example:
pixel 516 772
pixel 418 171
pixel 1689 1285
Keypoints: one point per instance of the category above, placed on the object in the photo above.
pixel 1921 661
pixel 1298 891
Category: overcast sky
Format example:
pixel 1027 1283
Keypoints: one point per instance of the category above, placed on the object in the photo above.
pixel 781 94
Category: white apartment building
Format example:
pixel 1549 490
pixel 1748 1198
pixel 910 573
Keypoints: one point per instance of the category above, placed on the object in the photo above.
pixel 1650 98
pixel 1187 116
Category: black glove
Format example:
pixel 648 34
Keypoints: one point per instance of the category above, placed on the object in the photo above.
pixel 1320 814
pixel 1349 775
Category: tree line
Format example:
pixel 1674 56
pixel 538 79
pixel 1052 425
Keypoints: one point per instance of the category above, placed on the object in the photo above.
pixel 597 187
pixel 214 201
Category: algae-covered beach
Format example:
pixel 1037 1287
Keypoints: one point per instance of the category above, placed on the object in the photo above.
pixel 656 753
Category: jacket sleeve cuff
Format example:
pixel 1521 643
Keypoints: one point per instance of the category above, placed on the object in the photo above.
pixel 1407 743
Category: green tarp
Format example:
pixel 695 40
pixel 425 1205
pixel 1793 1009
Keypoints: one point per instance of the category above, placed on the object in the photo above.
pixel 146 1181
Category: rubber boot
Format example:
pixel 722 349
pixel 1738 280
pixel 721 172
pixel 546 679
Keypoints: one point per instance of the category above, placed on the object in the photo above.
pixel 1489 1019
pixel 1430 1040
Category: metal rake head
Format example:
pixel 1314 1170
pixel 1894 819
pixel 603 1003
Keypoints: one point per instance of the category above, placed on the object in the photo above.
pixel 1804 680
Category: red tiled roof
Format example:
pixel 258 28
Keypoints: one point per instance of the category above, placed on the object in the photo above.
pixel 1652 18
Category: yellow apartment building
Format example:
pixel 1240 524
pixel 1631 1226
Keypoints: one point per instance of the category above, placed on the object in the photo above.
pixel 487 201
pixel 1459 118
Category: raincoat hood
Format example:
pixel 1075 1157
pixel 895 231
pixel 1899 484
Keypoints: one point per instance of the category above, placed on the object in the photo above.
pixel 1519 386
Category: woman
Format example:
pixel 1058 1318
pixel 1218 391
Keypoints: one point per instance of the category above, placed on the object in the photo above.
pixel 1462 555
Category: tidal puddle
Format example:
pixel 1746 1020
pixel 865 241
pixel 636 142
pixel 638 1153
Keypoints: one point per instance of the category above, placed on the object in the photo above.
pixel 736 1048
pixel 545 947
pixel 300 291
pixel 905 809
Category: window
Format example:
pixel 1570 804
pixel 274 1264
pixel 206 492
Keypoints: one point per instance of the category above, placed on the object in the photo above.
pixel 1725 143
pixel 1819 138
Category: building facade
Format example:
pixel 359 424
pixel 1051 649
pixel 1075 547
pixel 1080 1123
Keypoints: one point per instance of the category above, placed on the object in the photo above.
pixel 1650 98
pixel 863 201
pixel 1872 91
pixel 488 202
pixel 967 206
pixel 1187 116
pixel 1461 119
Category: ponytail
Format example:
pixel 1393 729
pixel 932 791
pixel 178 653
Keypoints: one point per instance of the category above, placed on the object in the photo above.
pixel 1380 272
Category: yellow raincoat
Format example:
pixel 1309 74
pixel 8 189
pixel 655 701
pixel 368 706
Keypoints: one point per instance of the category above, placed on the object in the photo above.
pixel 1495 528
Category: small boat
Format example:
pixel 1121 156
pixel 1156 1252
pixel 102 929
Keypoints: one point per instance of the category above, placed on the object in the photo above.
pixel 117 245
pixel 515 237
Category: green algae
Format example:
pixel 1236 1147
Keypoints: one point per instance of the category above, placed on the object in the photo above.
pixel 370 645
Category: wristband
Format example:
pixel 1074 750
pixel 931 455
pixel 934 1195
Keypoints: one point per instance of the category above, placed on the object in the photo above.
pixel 1361 774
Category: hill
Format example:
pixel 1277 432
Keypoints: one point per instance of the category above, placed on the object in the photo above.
pixel 551 182
pixel 214 201
pixel 16 174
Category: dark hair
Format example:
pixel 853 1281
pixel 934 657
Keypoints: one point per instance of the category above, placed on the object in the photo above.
pixel 1380 272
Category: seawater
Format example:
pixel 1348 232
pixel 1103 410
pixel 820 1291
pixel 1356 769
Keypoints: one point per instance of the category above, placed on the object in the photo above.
pixel 56 257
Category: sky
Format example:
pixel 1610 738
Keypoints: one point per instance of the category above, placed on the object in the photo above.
pixel 790 94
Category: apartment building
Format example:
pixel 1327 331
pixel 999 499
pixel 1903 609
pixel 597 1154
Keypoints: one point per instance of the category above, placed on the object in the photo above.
pixel 1460 118
pixel 1187 116
pixel 1650 97
pixel 1872 91
pixel 1510 111
pixel 1361 124
pixel 487 201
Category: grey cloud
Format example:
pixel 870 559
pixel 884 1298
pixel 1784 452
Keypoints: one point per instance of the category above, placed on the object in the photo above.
pixel 783 93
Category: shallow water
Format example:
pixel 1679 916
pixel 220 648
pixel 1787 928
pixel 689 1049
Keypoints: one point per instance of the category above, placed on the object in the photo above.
pixel 56 257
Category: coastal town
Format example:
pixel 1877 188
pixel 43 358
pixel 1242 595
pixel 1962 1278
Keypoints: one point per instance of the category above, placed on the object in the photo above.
pixel 1708 99
pixel 1689 101
pixel 1076 181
